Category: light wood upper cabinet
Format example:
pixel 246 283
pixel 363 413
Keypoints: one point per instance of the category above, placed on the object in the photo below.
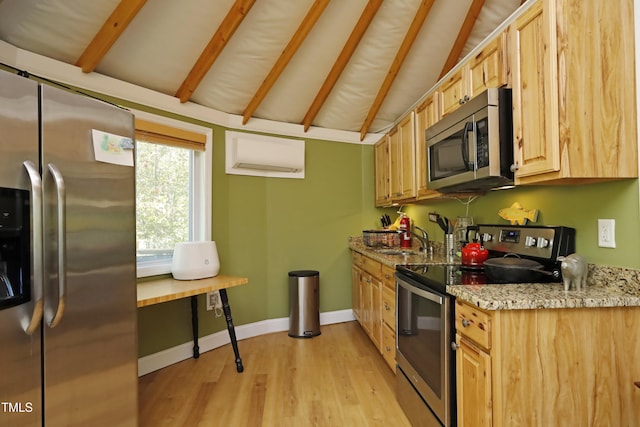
pixel 426 115
pixel 402 148
pixel 488 68
pixel 574 106
pixel 382 169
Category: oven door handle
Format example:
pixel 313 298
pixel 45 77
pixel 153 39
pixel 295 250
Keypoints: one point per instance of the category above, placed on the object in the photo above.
pixel 431 296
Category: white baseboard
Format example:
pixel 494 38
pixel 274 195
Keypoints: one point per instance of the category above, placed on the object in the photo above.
pixel 164 358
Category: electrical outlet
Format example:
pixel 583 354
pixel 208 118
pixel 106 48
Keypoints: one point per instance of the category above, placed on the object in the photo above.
pixel 213 300
pixel 607 233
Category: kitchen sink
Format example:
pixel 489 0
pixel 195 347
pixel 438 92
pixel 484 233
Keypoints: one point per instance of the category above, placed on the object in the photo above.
pixel 397 252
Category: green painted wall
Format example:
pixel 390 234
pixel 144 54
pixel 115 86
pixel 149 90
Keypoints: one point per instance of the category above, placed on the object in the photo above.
pixel 577 206
pixel 266 227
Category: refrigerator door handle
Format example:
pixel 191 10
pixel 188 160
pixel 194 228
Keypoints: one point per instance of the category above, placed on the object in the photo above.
pixel 37 262
pixel 62 244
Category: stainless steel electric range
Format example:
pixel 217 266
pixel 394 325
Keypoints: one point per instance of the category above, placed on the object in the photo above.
pixel 425 327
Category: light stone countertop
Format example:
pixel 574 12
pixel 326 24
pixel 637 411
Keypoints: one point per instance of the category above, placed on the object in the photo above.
pixel 607 286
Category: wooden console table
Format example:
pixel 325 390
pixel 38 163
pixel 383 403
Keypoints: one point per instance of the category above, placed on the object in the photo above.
pixel 168 289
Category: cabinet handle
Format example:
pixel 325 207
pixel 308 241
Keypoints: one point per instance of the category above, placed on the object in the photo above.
pixel 466 323
pixel 454 346
pixel 460 101
pixel 388 349
pixel 386 307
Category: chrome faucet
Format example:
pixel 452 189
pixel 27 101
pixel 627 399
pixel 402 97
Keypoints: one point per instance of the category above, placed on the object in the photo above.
pixel 423 238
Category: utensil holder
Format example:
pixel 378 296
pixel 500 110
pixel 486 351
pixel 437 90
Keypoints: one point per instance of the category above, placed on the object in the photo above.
pixel 449 246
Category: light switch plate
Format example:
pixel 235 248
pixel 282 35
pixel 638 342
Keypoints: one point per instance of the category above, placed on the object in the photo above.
pixel 607 233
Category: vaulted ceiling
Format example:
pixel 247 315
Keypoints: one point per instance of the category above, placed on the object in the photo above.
pixel 351 65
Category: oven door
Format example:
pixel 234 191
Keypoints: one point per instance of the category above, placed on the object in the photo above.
pixel 424 333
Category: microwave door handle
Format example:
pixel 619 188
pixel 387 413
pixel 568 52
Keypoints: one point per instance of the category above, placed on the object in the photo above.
pixel 468 127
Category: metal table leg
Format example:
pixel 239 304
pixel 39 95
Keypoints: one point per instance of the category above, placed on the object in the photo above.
pixel 194 325
pixel 232 332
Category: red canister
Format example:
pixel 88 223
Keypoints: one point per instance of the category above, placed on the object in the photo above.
pixel 405 226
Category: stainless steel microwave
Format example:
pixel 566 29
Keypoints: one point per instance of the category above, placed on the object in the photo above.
pixel 471 149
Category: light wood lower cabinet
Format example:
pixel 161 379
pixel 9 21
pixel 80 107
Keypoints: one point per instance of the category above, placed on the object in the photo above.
pixel 373 295
pixel 388 347
pixel 548 367
pixel 473 384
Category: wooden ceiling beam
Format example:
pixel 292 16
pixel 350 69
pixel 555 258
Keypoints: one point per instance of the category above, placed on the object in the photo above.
pixel 409 38
pixel 463 36
pixel 216 45
pixel 113 27
pixel 360 28
pixel 301 33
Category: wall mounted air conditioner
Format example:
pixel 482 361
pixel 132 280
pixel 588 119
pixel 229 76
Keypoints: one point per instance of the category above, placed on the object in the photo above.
pixel 260 155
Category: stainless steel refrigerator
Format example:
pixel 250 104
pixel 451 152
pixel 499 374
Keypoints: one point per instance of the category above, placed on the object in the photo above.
pixel 68 343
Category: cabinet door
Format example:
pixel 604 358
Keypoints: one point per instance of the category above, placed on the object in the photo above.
pixel 356 304
pixel 365 302
pixel 402 159
pixel 473 385
pixel 535 92
pixel 489 67
pixel 381 172
pixel 426 115
pixel 375 331
pixel 407 157
pixel 395 164
pixel 389 346
pixel 453 92
pixel 389 307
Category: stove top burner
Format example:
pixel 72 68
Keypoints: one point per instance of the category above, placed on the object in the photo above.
pixel 439 276
pixel 538 243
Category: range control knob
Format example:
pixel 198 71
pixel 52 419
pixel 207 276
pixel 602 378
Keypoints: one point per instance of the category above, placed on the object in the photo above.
pixel 542 242
pixel 530 242
pixel 486 237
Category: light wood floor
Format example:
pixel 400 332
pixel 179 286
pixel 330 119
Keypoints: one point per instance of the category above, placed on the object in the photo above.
pixel 334 379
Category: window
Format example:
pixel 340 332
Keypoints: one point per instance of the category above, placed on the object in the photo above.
pixel 173 189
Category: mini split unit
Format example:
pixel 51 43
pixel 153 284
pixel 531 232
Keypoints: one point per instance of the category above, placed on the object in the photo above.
pixel 250 154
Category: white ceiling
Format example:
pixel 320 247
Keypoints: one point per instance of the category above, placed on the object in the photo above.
pixel 163 41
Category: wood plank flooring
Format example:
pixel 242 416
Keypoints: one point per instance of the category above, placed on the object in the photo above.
pixel 334 379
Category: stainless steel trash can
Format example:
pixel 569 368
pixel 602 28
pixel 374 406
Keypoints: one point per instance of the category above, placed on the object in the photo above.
pixel 304 303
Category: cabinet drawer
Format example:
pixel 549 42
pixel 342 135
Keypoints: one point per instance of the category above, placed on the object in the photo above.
pixel 388 279
pixel 372 266
pixel 474 323
pixel 389 307
pixel 389 346
pixel 356 258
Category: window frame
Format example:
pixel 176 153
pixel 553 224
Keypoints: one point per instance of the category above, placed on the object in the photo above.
pixel 200 209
